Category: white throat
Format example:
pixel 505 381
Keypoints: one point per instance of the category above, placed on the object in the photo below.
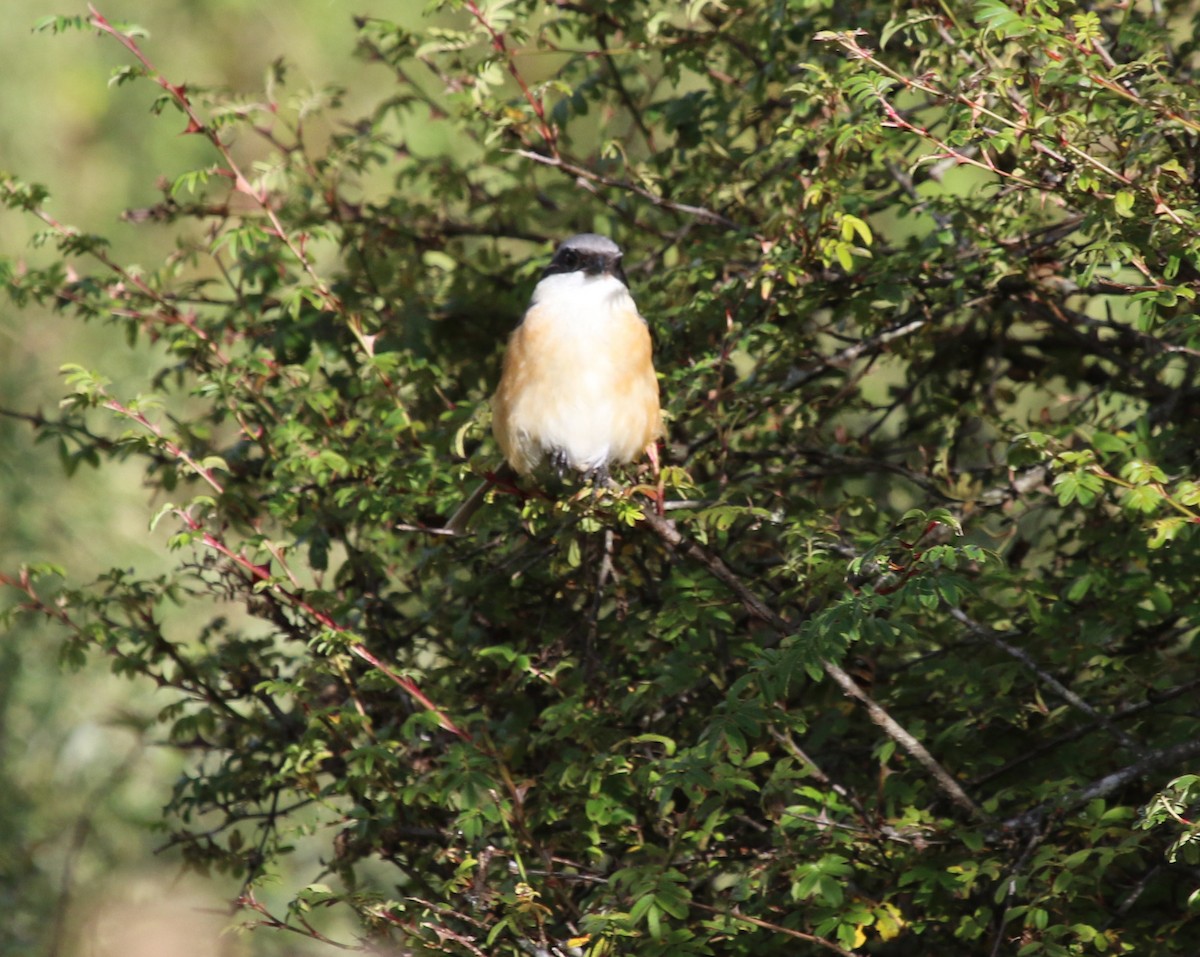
pixel 573 293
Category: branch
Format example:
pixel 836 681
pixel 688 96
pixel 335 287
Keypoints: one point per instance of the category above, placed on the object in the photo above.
pixel 178 93
pixel 1031 845
pixel 171 314
pixel 852 352
pixel 260 194
pixel 500 45
pixel 174 450
pixel 41 423
pixel 249 902
pixel 1105 785
pixel 785 740
pixel 670 534
pixel 1084 730
pixel 623 91
pixel 262 574
pixel 871 345
pixel 699 212
pixel 1045 677
pixel 775 928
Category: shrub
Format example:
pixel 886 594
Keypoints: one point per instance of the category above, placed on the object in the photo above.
pixel 914 640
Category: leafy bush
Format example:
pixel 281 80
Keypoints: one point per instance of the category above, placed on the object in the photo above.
pixel 915 638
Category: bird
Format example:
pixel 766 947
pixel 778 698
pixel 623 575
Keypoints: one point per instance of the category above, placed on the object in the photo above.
pixel 578 392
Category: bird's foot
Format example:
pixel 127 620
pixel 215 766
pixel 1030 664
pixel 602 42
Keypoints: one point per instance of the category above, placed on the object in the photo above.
pixel 560 462
pixel 598 477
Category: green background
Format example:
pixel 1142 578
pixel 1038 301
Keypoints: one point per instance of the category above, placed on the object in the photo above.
pixel 81 782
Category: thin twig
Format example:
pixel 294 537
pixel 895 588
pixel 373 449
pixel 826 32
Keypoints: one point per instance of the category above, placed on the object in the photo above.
pixel 262 573
pixel 1075 734
pixel 1105 785
pixel 776 928
pixel 500 45
pixel 1030 846
pixel 1069 696
pixel 305 929
pixel 786 741
pixel 852 352
pixel 623 91
pixel 670 534
pixel 699 212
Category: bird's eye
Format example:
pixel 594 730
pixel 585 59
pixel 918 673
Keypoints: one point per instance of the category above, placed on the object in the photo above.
pixel 569 258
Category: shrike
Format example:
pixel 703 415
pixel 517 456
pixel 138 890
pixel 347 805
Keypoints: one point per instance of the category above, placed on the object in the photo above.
pixel 578 391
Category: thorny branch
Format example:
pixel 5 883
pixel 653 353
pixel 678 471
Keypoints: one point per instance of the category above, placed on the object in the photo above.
pixel 500 45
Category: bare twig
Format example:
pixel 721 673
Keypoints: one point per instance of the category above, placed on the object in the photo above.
pixel 623 91
pixel 852 352
pixel 249 902
pixel 1163 757
pixel 670 534
pixel 733 914
pixel 786 741
pixel 699 212
pixel 1030 846
pixel 1082 731
pixel 1069 696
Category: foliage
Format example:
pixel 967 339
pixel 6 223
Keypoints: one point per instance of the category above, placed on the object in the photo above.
pixel 915 641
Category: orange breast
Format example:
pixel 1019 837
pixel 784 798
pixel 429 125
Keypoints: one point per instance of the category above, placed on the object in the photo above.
pixel 585 387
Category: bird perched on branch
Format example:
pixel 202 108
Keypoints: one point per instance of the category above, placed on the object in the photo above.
pixel 578 391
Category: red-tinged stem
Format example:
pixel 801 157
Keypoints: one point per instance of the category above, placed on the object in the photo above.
pixel 170 446
pixel 360 650
pixel 501 46
pixel 196 125
pixel 357 648
pixel 170 313
pixel 852 46
pixel 263 573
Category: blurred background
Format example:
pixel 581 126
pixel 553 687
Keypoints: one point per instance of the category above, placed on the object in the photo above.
pixel 82 778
